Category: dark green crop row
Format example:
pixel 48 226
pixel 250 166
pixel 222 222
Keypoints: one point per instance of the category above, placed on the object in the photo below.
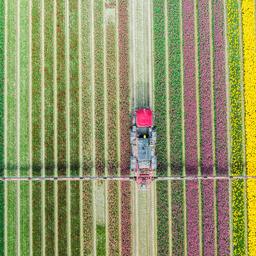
pixel 113 220
pixel 159 84
pixel 99 88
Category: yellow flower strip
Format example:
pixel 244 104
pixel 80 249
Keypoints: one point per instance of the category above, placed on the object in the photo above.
pixel 249 40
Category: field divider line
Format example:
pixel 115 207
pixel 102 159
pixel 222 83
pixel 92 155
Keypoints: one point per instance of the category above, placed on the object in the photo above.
pixel 55 123
pixel 5 124
pixel 118 124
pixel 105 84
pixel 30 134
pixel 228 128
pixel 80 79
pixel 123 178
pixel 215 214
pixel 42 60
pixel 93 123
pixel 67 78
pixel 18 123
pixel 243 124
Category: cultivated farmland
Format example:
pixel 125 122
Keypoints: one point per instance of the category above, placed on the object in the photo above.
pixel 72 72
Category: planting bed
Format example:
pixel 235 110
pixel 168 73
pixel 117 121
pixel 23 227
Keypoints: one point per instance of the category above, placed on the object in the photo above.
pixel 67 73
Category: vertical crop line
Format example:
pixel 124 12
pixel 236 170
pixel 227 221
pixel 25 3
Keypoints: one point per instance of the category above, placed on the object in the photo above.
pixel 243 123
pixel 213 119
pixel 197 70
pixel 168 124
pixel 81 208
pixel 30 133
pixel 55 123
pixel 228 127
pixel 67 81
pixel 18 123
pixel 93 124
pixel 183 127
pixel 42 60
pixel 5 124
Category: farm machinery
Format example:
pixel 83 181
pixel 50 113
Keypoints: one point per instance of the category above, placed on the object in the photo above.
pixel 143 162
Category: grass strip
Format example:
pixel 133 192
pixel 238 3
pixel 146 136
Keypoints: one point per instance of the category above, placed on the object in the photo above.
pixel 177 217
pixel 190 103
pixel 113 215
pixel 192 218
pixel 24 218
pixel 205 85
pixel 159 84
pixel 48 87
pixel 61 85
pixel 36 90
pixel 238 212
pixel 2 68
pixel 235 83
pixel 220 89
pixel 87 218
pixel 36 221
pixel 123 43
pixel 162 218
pixel 62 217
pixel 11 89
pixel 111 65
pixel 11 248
pixel 49 218
pixel 101 239
pixel 223 235
pixel 86 88
pixel 99 87
pixel 175 112
pixel 126 237
pixel 75 218
pixel 249 54
pixel 208 217
pixel 74 88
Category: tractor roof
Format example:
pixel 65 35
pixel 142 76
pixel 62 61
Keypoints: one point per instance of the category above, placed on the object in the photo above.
pixel 144 117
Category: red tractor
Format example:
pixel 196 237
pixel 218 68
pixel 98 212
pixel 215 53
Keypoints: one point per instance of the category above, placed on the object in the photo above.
pixel 143 142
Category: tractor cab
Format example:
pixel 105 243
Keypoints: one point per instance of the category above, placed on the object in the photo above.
pixel 143 141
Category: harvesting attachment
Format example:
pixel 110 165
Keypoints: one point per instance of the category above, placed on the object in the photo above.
pixel 143 162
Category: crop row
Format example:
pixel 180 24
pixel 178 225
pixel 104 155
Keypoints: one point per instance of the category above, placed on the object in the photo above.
pixel 159 84
pixel 175 88
pixel 74 88
pixel 111 64
pixel 220 89
pixel 249 56
pixel 99 87
pixel 123 41
pixel 11 91
pixel 177 217
pixel 61 88
pixel 86 66
pixel 235 92
pixel 113 221
pixel 48 88
pixel 190 108
pixel 206 127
